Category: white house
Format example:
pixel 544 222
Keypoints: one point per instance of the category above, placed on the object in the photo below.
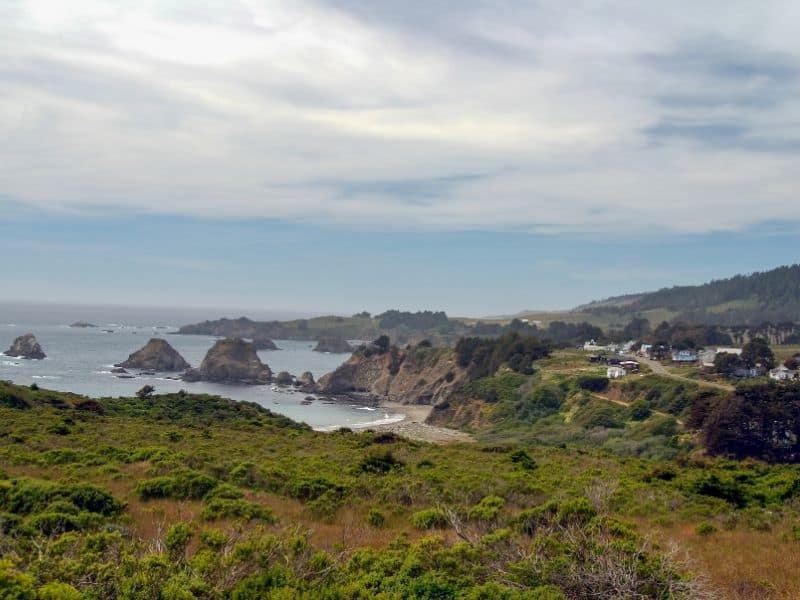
pixel 782 373
pixel 707 356
pixel 615 372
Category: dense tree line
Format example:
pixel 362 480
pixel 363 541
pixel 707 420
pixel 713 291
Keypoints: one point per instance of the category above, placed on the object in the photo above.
pixel 419 321
pixel 771 295
pixel 760 420
pixel 484 356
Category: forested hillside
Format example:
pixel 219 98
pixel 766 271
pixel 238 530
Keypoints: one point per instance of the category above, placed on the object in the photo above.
pixel 741 300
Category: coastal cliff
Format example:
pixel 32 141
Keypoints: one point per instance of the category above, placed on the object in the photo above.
pixel 156 355
pixel 231 360
pixel 417 375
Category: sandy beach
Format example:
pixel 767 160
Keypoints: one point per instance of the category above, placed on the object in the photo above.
pixel 413 426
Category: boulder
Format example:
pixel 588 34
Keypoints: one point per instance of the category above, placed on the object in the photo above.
pixel 26 346
pixel 333 344
pixel 263 343
pixel 156 355
pixel 306 380
pixel 284 378
pixel 232 360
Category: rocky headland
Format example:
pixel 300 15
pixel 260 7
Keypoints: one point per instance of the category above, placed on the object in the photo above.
pixel 417 375
pixel 333 344
pixel 156 355
pixel 26 346
pixel 232 360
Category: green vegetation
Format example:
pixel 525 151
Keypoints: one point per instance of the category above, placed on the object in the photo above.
pixel 248 504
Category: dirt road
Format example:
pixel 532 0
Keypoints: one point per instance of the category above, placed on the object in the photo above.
pixel 659 369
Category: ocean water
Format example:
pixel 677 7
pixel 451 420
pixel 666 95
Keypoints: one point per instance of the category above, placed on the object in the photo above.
pixel 80 360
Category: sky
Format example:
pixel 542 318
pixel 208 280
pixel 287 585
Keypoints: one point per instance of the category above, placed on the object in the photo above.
pixel 320 155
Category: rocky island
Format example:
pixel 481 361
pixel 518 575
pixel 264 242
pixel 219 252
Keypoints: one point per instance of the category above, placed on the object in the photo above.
pixel 156 355
pixel 264 343
pixel 26 346
pixel 333 344
pixel 232 360
pixel 82 325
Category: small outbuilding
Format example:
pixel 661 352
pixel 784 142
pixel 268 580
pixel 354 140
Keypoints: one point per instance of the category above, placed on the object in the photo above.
pixel 615 372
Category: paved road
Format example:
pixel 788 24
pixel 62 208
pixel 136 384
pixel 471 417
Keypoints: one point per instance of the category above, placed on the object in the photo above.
pixel 659 369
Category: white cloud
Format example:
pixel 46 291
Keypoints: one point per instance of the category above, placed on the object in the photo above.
pixel 482 117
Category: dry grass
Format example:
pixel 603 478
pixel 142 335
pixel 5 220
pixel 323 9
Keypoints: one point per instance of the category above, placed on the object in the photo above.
pixel 742 564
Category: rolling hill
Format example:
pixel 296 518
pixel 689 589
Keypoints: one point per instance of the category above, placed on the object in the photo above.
pixel 741 300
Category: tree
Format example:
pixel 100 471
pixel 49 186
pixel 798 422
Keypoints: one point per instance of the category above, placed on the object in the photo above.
pixel 146 392
pixel 757 352
pixel 726 363
pixel 382 344
pixel 636 329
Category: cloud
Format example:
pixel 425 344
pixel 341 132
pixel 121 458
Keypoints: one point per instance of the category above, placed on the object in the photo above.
pixel 520 116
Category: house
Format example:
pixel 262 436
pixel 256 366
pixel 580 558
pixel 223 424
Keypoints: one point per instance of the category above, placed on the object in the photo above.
pixel 746 372
pixel 615 372
pixel 782 373
pixel 707 356
pixel 630 366
pixel 684 356
pixel 644 349
pixel 593 346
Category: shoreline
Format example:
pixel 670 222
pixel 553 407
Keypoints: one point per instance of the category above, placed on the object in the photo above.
pixel 413 425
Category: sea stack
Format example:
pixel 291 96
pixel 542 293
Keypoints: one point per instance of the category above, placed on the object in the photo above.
pixel 263 343
pixel 156 355
pixel 333 344
pixel 26 346
pixel 232 360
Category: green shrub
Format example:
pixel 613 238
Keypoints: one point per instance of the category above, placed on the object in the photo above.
pixel 523 460
pixel 431 518
pixel 157 487
pixel 379 463
pixel 223 508
pixel 705 528
pixel 185 485
pixel 177 539
pixel 487 509
pixel 593 383
pixel 58 591
pixel 639 410
pixel 376 518
pixel 224 490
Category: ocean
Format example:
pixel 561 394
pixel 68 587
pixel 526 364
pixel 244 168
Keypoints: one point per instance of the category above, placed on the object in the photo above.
pixel 80 359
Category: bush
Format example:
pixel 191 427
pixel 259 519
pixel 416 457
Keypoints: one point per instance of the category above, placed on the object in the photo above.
pixel 146 392
pixel 376 518
pixel 705 529
pixel 523 460
pixel 593 383
pixel 58 591
pixel 639 410
pixel 487 509
pixel 177 539
pixel 380 463
pixel 431 518
pixel 223 508
pixel 186 485
pixel 157 487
